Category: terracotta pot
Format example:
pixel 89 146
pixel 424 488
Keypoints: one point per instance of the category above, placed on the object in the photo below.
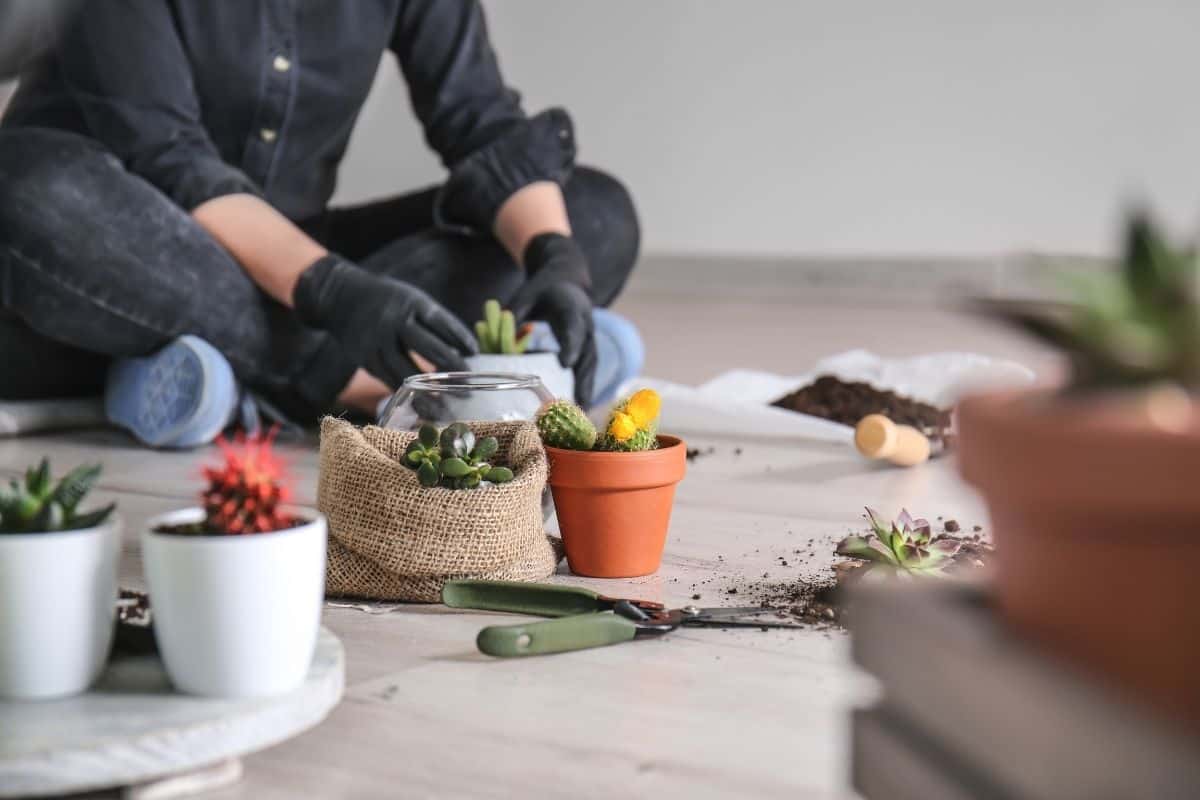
pixel 614 508
pixel 1096 516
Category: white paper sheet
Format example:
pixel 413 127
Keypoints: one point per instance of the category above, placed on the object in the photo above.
pixel 737 403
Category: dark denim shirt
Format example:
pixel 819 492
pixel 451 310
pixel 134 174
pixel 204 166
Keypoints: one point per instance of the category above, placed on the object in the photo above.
pixel 205 98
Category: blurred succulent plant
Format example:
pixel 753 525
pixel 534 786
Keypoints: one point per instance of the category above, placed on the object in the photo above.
pixel 38 505
pixel 1138 326
pixel 497 331
pixel 906 545
pixel 247 490
pixel 454 458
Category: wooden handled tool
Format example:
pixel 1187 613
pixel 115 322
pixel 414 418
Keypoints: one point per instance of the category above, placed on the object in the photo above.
pixel 878 437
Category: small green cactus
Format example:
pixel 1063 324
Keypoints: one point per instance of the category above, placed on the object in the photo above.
pixel 454 458
pixel 640 440
pixel 563 424
pixel 497 331
pixel 37 505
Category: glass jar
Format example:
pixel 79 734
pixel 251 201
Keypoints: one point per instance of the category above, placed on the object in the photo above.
pixel 444 397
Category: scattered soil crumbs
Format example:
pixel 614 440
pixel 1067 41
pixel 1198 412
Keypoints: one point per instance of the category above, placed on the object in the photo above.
pixel 134 635
pixel 133 608
pixel 695 452
pixel 820 601
pixel 814 602
pixel 848 402
pixel 973 553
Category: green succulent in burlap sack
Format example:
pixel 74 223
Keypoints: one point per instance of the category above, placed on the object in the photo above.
pixel 390 538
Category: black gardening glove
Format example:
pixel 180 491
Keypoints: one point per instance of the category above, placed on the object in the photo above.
pixel 378 320
pixel 557 290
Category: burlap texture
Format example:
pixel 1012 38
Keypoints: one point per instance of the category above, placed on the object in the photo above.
pixel 392 539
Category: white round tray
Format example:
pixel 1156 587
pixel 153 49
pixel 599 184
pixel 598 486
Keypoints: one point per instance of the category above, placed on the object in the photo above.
pixel 133 727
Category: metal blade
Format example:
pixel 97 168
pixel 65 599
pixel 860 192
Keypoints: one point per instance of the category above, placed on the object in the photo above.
pixel 731 618
pixel 722 613
pixel 702 622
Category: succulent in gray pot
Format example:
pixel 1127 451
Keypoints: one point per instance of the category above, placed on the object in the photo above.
pixel 1092 488
pixel 504 348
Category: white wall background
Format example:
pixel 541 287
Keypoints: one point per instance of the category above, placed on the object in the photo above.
pixel 785 127
pixel 816 127
pixel 852 126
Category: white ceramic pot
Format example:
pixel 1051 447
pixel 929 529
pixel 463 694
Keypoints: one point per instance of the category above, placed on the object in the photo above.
pixel 557 379
pixel 235 616
pixel 58 600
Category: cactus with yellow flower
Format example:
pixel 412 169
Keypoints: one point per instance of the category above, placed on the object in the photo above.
pixel 632 425
pixel 614 487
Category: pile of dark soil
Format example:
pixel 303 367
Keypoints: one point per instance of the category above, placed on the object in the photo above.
pixel 201 529
pixel 848 402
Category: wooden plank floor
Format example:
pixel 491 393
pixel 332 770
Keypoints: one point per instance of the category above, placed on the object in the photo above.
pixel 699 713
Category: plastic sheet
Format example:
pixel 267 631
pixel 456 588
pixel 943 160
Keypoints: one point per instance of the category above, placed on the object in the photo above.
pixel 737 403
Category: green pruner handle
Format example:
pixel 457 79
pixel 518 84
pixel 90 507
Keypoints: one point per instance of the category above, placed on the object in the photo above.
pixel 555 636
pixel 535 599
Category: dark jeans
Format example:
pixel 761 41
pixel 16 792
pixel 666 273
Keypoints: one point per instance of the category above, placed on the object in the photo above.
pixel 96 264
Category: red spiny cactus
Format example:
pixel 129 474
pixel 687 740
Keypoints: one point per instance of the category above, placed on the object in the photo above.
pixel 245 493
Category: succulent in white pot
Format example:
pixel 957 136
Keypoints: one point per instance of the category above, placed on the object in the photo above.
pixel 58 584
pixel 505 349
pixel 236 585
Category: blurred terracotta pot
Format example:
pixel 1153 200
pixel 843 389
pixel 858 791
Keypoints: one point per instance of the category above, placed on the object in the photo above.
pixel 614 508
pixel 1096 515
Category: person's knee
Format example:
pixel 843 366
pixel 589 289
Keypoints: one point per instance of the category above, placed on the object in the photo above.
pixel 605 222
pixel 40 154
pixel 44 178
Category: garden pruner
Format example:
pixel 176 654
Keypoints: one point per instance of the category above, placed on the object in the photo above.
pixel 583 618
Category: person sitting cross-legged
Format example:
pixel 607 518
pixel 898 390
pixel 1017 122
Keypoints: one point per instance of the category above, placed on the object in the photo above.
pixel 165 233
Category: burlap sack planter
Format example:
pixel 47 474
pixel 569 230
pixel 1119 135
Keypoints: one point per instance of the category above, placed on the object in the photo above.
pixel 392 539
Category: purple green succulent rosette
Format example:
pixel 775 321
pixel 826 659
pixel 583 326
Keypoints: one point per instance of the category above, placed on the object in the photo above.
pixel 906 545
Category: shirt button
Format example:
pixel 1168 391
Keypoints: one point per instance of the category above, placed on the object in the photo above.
pixel 281 64
pixel 268 135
